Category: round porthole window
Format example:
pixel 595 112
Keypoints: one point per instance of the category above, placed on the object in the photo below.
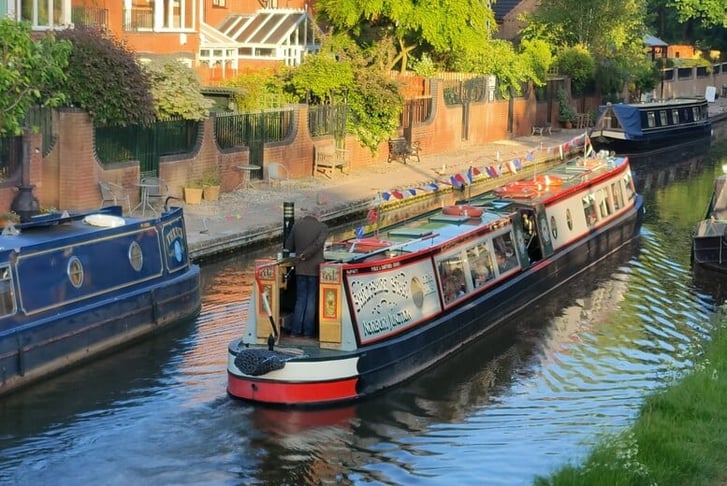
pixel 136 258
pixel 569 219
pixel 75 272
pixel 553 227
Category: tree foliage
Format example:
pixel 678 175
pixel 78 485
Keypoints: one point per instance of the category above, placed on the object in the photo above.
pixel 708 12
pixel 601 26
pixel 27 68
pixel 580 66
pixel 255 87
pixel 104 79
pixel 439 28
pixel 320 79
pixel 176 90
pixel 498 59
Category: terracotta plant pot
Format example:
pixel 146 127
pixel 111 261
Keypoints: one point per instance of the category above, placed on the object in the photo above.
pixel 193 195
pixel 211 193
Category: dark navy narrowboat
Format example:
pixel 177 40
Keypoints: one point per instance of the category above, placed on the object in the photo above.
pixel 630 128
pixel 76 285
pixel 709 240
pixel 395 303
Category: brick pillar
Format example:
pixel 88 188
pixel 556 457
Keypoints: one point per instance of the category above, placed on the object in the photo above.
pixel 78 169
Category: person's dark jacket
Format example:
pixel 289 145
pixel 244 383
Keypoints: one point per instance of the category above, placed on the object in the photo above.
pixel 307 240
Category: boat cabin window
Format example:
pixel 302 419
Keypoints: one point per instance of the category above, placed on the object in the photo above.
pixel 617 194
pixel 663 118
pixel 569 219
pixel 480 264
pixel 505 256
pixel 675 116
pixel 7 300
pixel 451 275
pixel 589 209
pixel 696 113
pixel 604 204
pixel 651 119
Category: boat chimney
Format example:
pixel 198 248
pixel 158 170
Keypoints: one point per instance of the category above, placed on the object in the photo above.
pixel 25 204
pixel 288 220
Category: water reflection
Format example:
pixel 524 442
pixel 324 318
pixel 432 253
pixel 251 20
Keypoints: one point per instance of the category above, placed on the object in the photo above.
pixel 517 403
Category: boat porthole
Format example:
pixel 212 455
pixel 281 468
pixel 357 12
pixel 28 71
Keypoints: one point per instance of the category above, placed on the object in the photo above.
pixel 178 252
pixel 417 292
pixel 569 219
pixel 136 257
pixel 553 228
pixel 75 271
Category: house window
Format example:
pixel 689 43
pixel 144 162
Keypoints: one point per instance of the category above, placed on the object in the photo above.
pixel 219 3
pixel 46 13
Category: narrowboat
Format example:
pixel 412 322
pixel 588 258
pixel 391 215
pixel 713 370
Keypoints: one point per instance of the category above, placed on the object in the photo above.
pixel 396 302
pixel 630 128
pixel 709 240
pixel 75 285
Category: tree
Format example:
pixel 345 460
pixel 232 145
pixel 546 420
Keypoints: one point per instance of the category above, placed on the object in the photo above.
pixel 707 12
pixel 498 58
pixel 439 28
pixel 602 26
pixel 104 79
pixel 27 68
pixel 320 79
pixel 176 90
pixel 580 66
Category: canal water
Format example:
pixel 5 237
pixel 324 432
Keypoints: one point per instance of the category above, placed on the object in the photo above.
pixel 519 403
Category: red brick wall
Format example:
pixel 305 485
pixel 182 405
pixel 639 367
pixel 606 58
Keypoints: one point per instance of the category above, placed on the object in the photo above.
pixel 68 177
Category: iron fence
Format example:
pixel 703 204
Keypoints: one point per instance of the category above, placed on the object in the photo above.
pixel 416 111
pixel 146 143
pixel 327 120
pixel 238 129
pixel 40 119
pixel 11 160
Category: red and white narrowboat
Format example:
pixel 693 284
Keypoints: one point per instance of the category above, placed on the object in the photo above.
pixel 430 285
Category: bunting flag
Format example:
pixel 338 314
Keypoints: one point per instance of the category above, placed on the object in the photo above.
pixel 386 196
pixel 372 216
pixel 433 186
pixel 455 183
pixel 518 164
pixel 511 166
pixel 460 179
pixel 494 171
pixel 412 192
pixel 397 194
pixel 360 232
pixel 530 156
pixel 475 171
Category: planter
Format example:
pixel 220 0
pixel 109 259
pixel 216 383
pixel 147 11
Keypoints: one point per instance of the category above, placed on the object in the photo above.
pixel 193 195
pixel 211 193
pixel 567 125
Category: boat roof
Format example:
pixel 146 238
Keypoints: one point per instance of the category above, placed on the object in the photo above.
pixel 629 114
pixel 436 228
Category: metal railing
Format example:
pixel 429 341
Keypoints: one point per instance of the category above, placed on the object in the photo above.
pixel 238 129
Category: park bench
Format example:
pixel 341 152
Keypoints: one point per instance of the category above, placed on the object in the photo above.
pixel 328 159
pixel 542 130
pixel 401 149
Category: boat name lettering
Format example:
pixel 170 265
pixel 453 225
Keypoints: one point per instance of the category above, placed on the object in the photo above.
pixel 385 266
pixel 386 323
pixel 363 292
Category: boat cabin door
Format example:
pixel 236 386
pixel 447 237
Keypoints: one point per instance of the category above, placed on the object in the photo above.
pixel 541 221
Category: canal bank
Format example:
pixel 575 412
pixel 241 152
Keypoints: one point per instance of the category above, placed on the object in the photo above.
pixel 252 217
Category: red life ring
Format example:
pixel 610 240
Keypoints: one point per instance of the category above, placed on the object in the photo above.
pixel 463 210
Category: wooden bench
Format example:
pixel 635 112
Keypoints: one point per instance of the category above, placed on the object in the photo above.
pixel 327 160
pixel 401 149
pixel 541 130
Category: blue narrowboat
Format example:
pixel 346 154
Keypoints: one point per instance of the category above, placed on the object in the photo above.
pixel 76 285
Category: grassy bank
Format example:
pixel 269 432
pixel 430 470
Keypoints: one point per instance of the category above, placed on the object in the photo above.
pixel 679 437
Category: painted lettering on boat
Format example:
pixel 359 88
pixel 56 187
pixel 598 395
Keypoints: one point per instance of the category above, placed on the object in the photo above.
pixel 173 234
pixel 393 298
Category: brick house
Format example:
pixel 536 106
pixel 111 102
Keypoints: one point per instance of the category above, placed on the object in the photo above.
pixel 217 38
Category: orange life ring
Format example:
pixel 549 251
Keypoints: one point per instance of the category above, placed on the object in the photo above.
pixel 519 189
pixel 463 210
pixel 365 245
pixel 548 180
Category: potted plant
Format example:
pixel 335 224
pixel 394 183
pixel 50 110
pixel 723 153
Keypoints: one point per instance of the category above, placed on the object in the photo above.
pixel 211 185
pixel 193 192
pixel 567 115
